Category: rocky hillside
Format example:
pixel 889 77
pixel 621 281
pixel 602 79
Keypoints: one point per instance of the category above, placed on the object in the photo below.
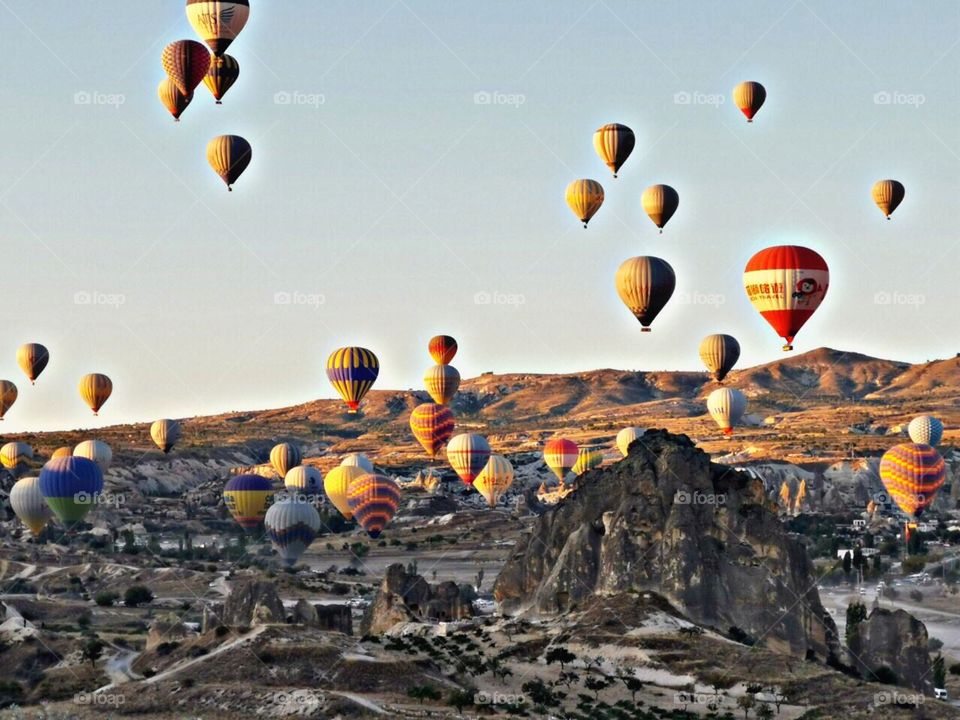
pixel 667 520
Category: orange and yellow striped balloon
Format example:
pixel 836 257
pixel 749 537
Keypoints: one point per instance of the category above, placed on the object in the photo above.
pixel 560 455
pixel 645 284
pixel 912 475
pixel 229 156
pixel 32 359
pixel 8 396
pixel 352 372
pixel 374 500
pixel 584 197
pixel 442 382
pixel 749 97
pixel 660 202
pixel 442 349
pixel 95 389
pixel 888 194
pixel 173 100
pixel 432 426
pixel 614 143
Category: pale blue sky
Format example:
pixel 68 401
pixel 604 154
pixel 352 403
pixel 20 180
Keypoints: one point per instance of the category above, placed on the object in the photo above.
pixel 385 189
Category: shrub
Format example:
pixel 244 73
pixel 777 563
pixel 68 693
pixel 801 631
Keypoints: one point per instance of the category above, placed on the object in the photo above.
pixel 137 595
pixel 106 598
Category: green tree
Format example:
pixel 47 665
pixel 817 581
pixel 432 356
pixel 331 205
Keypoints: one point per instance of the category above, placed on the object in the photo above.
pixel 632 685
pixel 856 614
pixel 424 692
pixel 560 655
pixel 137 595
pixel 939 672
pixel 461 698
pixel 764 712
pixel 847 563
pixel 92 650
pixel 746 703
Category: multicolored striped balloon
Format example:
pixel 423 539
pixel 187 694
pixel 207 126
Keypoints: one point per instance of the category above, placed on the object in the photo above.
pixel 70 486
pixel 468 454
pixel 186 62
pixel 442 349
pixel 749 96
pixel 374 500
pixel 442 383
pixel 221 76
pixel 352 372
pixel 560 455
pixel 925 430
pixel 786 284
pixel 284 457
pixel 587 459
pixel 291 526
pixel 495 479
pixel 432 426
pixel 247 497
pixel 912 474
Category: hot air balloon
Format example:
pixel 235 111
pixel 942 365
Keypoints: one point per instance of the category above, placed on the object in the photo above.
pixel 660 202
pixel 749 97
pixel 587 459
pixel 374 500
pixel 432 426
pixel 468 454
pixel 719 353
pixel 291 526
pixel 247 497
pixel 786 284
pixel 614 143
pixel 32 359
pixel 70 486
pixel 97 451
pixel 304 479
pixel 221 76
pixel 352 372
pixel 442 383
pixel 95 389
pixel 28 503
pixel 15 455
pixel 925 430
pixel 218 22
pixel 229 156
pixel 442 349
pixel 627 436
pixel 165 434
pixel 495 479
pixel 584 197
pixel 645 285
pixel 186 63
pixel 912 474
pixel 358 460
pixel 560 455
pixel 727 406
pixel 337 483
pixel 8 396
pixel 888 194
pixel 62 452
pixel 173 100
pixel 283 457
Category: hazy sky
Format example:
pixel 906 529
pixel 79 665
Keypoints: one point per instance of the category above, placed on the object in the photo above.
pixel 386 198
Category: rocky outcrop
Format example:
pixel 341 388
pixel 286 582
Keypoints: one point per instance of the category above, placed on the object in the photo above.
pixel 335 618
pixel 252 603
pixel 897 641
pixel 405 597
pixel 167 628
pixel 665 519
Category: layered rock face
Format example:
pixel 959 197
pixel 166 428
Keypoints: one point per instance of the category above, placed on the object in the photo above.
pixel 897 641
pixel 407 597
pixel 665 519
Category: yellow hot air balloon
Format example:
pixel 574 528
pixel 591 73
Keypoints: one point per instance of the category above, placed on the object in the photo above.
pixel 719 353
pixel 173 100
pixel 218 22
pixel 229 156
pixel 8 396
pixel 627 436
pixel 95 389
pixel 15 455
pixel 614 143
pixel 62 452
pixel 32 359
pixel 221 76
pixel 28 503
pixel 584 197
pixel 165 434
pixel 337 485
pixel 442 382
pixel 660 202
pixel 587 459
pixel 495 479
pixel 888 194
pixel 645 285
pixel 749 97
